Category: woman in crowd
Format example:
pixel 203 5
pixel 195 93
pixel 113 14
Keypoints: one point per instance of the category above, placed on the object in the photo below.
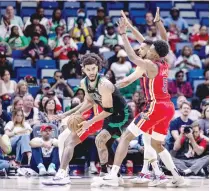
pixel 16 104
pixel 109 74
pixel 15 40
pixel 56 21
pixel 22 88
pixel 49 111
pixel 19 132
pixel 42 103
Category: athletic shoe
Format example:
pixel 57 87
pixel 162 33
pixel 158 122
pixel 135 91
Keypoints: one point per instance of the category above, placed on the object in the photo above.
pixel 180 182
pixel 42 170
pixel 51 169
pixel 93 169
pixel 108 180
pixel 158 180
pixel 102 174
pixel 142 178
pixel 61 178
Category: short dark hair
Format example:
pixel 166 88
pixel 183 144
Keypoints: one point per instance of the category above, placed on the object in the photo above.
pixel 34 16
pixel 148 42
pixel 71 53
pixel 185 103
pixel 92 58
pixel 35 34
pixel 161 47
pixel 57 72
pixel 179 72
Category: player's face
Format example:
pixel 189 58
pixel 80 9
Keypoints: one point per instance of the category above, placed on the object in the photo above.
pixel 91 71
pixel 143 50
pixel 151 53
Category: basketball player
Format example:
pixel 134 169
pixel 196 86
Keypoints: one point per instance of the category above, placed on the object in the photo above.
pixel 159 109
pixel 116 114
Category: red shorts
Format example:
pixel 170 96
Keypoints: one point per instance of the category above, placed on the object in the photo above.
pixel 159 115
pixel 91 130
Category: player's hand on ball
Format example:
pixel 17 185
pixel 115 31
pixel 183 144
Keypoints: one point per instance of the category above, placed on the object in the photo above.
pixel 157 16
pixel 84 125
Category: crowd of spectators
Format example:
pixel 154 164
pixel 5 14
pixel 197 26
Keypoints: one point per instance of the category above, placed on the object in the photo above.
pixel 41 38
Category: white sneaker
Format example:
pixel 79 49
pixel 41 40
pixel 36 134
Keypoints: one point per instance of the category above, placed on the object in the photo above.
pixel 158 180
pixel 42 170
pixel 142 178
pixel 107 180
pixel 180 182
pixel 51 169
pixel 102 174
pixel 93 169
pixel 61 178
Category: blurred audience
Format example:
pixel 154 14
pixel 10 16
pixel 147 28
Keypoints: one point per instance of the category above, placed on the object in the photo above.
pixel 114 58
pixel 5 48
pixel 102 28
pixel 22 88
pixel 57 39
pixel 109 74
pixel 148 23
pixel 98 19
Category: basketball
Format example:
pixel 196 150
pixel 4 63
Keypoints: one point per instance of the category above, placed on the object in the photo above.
pixel 73 122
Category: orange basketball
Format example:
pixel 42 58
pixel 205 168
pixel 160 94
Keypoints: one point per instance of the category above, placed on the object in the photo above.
pixel 74 121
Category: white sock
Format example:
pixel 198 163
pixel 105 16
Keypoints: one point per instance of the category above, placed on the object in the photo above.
pixel 167 160
pixel 92 163
pixel 156 168
pixel 145 168
pixel 114 171
pixel 187 171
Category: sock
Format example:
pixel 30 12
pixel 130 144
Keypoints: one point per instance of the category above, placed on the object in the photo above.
pixel 156 168
pixel 115 170
pixel 145 168
pixel 187 171
pixel 104 168
pixel 168 162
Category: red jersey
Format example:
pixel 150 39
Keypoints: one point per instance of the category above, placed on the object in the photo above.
pixel 156 89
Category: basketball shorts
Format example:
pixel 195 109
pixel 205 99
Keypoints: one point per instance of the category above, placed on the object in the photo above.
pixel 115 124
pixel 155 120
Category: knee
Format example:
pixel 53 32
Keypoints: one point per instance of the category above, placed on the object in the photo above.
pixel 127 137
pixel 99 142
pixel 70 143
pixel 156 145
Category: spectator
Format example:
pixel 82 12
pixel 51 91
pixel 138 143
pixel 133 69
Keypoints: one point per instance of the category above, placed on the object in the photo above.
pixel 109 74
pixel 191 150
pixel 152 34
pixel 4 27
pixel 45 152
pixel 149 23
pixel 42 103
pixel 114 58
pixel 204 55
pixel 73 68
pixel 180 23
pixel 9 84
pixel 179 87
pixel 80 14
pixel 79 31
pixel 171 59
pixel 10 13
pixel 173 36
pixel 61 52
pixel 4 63
pixel 31 113
pixel 98 19
pixel 132 105
pixel 202 90
pixel 194 114
pixel 4 116
pixel 37 29
pixel 176 124
pixel 45 88
pixel 16 41
pixel 22 88
pixel 102 28
pixel 56 40
pixel 49 112
pixel 42 20
pixel 139 101
pixel 204 123
pixel 188 61
pixel 35 21
pixel 37 50
pixel 17 104
pixel 110 39
pixel 56 21
pixel 88 46
pixel 201 38
pixel 5 48
pixel 122 67
pixel 60 86
pixel 19 132
pixel 80 93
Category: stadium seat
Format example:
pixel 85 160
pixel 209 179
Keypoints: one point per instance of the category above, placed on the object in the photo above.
pixel 48 72
pixel 139 20
pixel 136 5
pixel 91 12
pixel 164 14
pixel 79 45
pixel 114 13
pixel 22 72
pixel 205 21
pixel 16 54
pixel 107 55
pixel 183 5
pixel 73 82
pixel 4 4
pixel 188 14
pixel 179 46
pixel 27 12
pixel 164 5
pixel 71 5
pixel 138 13
pixel 201 6
pixel 115 19
pixel 49 4
pixel 45 64
pixel 70 12
pixel 61 63
pixel 93 5
pixel 25 19
pixel 36 130
pixel 48 13
pixel 21 63
pixel 195 75
pixel 203 14
pixel 196 83
pixel 174 100
pixel 33 90
pixel 115 5
pixel 192 21
pixel 28 4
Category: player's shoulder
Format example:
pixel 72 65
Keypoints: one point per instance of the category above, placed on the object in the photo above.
pixel 106 84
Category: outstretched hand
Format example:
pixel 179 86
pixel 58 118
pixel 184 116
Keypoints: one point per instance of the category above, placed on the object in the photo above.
pixel 157 15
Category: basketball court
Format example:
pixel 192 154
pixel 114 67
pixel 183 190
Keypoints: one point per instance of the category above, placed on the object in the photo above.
pixel 83 184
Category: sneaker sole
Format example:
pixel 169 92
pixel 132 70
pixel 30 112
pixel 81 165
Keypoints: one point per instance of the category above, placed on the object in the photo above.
pixel 54 183
pixel 140 182
pixel 158 184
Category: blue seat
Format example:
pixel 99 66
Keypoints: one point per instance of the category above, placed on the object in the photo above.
pixel 138 13
pixel 136 5
pixel 71 5
pixel 27 12
pixel 180 46
pixel 164 5
pixel 93 5
pixel 115 5
pixel 22 72
pixel 115 19
pixel 196 83
pixel 7 3
pixel 33 90
pixel 45 64
pixel 107 55
pixel 48 12
pixel 201 6
pixel 79 45
pixel 205 21
pixel 139 20
pixel 47 4
pixel 195 75
pixel 21 63
pixel 70 12
pixel 174 100
pixel 73 82
pixel 17 54
pixel 36 130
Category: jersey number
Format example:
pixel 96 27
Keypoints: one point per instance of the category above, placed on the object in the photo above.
pixel 165 85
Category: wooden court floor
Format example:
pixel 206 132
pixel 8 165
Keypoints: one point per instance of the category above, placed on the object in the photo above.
pixel 83 184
